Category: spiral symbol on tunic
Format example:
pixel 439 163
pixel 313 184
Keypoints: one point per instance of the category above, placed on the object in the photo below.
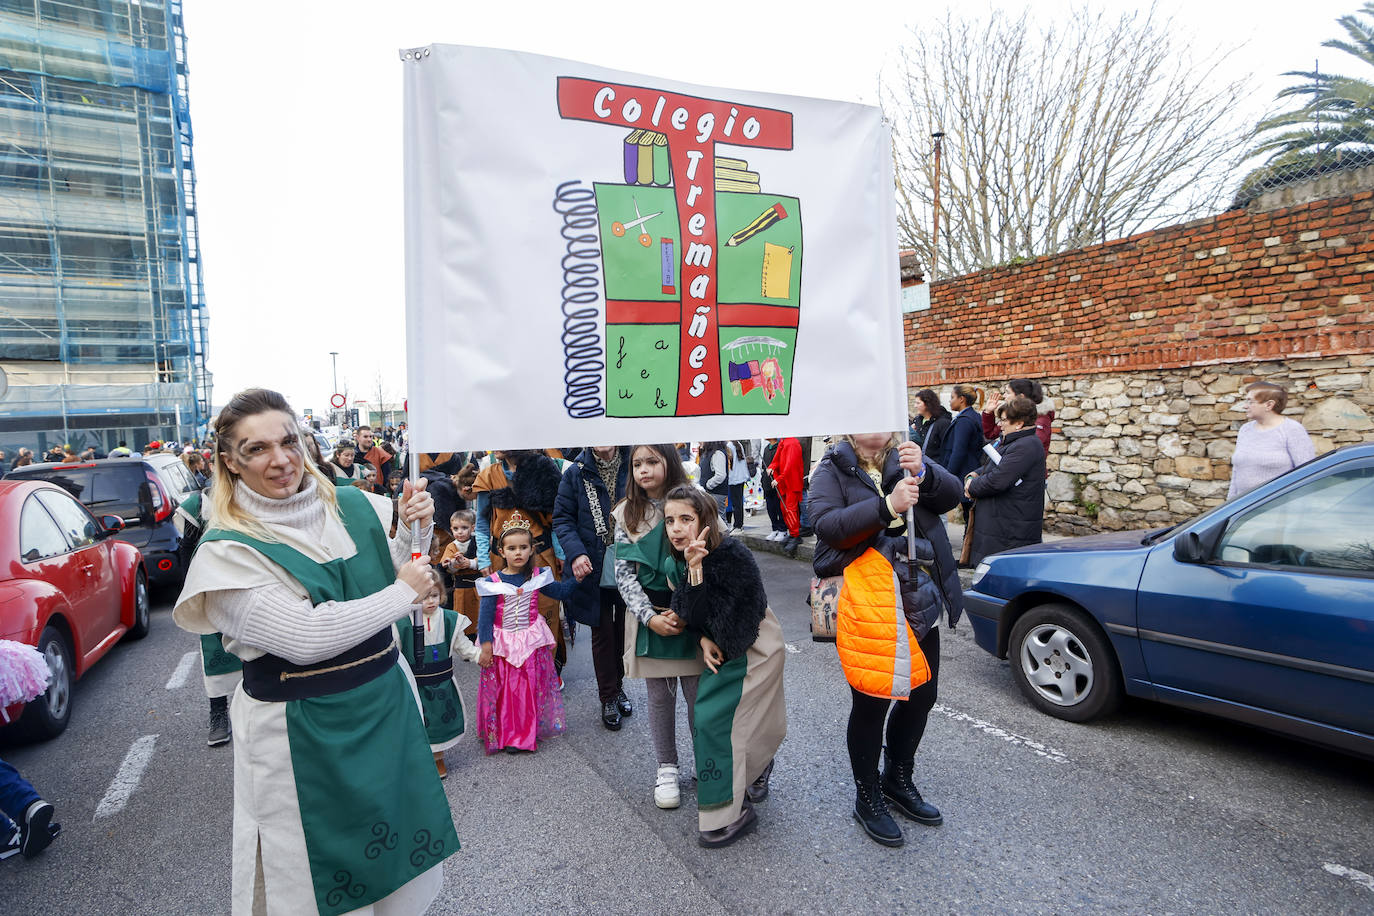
pixel 424 849
pixel 709 770
pixel 382 840
pixel 353 890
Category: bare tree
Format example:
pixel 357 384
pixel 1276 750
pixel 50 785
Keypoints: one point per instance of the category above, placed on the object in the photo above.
pixel 1056 136
pixel 385 400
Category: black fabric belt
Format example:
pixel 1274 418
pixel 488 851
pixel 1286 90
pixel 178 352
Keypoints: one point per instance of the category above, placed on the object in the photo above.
pixel 434 672
pixel 275 680
pixel 467 582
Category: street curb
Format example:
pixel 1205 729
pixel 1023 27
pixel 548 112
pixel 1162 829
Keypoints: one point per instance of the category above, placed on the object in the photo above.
pixel 805 551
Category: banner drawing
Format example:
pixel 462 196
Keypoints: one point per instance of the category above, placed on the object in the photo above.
pixel 713 263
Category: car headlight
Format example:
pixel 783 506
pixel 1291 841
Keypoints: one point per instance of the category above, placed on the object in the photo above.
pixel 980 571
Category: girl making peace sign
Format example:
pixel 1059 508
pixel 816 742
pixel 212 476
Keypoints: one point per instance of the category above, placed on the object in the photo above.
pixel 741 716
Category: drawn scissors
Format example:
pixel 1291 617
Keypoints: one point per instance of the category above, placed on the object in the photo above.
pixel 618 228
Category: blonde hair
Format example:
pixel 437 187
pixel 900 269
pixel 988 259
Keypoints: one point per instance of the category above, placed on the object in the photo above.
pixel 225 512
pixel 881 460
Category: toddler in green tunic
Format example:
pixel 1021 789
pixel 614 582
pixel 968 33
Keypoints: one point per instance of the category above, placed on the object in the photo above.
pixel 444 639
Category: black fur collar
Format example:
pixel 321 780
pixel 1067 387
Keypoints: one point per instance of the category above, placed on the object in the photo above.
pixel 730 603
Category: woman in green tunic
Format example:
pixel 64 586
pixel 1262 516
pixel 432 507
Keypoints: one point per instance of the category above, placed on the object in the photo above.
pixel 337 805
pixel 741 716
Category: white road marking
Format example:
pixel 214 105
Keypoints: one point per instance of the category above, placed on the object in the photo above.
pixel 1043 750
pixel 791 649
pixel 183 672
pixel 127 779
pixel 1343 871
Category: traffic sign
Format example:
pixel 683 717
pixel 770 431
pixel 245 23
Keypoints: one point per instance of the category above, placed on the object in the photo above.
pixel 338 400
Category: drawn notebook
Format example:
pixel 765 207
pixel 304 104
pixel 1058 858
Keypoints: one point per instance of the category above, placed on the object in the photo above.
pixel 777 271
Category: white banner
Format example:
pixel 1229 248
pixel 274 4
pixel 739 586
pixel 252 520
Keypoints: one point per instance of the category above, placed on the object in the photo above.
pixel 601 257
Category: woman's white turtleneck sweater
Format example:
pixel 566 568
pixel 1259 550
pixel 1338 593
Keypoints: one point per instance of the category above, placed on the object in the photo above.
pixel 276 620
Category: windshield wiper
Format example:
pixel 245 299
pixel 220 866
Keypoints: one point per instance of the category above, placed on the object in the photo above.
pixel 1154 536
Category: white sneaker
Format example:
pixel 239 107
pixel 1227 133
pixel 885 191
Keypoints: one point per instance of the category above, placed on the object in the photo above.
pixel 666 791
pixel 778 536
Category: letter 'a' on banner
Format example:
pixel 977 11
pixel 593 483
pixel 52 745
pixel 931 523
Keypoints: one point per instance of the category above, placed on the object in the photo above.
pixel 602 257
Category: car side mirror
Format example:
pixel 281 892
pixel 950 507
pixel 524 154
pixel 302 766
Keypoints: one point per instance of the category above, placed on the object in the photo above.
pixel 1197 546
pixel 1188 548
pixel 112 524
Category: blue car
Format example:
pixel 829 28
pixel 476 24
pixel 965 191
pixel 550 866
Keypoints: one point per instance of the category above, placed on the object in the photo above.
pixel 1260 610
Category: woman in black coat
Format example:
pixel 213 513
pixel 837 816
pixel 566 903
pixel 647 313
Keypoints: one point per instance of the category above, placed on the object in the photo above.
pixel 852 512
pixel 1009 494
pixel 584 542
pixel 932 431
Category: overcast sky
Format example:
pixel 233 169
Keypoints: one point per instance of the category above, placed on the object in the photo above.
pixel 297 115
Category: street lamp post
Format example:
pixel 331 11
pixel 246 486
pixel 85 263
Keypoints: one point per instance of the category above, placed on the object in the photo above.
pixel 334 355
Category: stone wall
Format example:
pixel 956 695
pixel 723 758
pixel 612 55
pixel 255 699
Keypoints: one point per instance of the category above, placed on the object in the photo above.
pixel 1142 449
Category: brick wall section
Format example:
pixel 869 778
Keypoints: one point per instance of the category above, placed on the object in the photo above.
pixel 1239 287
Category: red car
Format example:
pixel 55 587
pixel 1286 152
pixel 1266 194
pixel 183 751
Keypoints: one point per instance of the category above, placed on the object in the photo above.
pixel 68 588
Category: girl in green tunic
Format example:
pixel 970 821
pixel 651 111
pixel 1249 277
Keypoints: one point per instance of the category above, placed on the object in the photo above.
pixel 741 716
pixel 656 648
pixel 445 638
pixel 337 805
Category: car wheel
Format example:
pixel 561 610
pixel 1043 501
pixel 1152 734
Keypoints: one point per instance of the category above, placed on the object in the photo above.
pixel 1062 662
pixel 47 716
pixel 142 608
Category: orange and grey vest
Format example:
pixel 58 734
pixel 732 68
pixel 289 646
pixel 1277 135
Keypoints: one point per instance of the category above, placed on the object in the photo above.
pixel 880 654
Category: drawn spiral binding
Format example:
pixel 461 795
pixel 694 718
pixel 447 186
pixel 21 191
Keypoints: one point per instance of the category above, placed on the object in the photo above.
pixel 584 362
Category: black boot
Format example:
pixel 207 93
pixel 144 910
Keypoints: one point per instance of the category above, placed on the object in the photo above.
pixel 790 546
pixel 757 790
pixel 622 703
pixel 871 812
pixel 610 715
pixel 901 791
pixel 219 721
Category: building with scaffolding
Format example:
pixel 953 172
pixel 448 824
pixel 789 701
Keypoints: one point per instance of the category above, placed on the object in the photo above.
pixel 102 308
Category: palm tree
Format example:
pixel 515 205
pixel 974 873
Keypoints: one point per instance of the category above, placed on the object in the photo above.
pixel 1336 121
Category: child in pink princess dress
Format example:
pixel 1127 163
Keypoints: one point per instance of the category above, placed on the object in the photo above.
pixel 517 698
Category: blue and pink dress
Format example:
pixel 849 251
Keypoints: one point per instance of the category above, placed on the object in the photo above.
pixel 517 699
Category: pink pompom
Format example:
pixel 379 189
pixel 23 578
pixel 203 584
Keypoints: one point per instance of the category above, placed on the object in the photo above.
pixel 24 673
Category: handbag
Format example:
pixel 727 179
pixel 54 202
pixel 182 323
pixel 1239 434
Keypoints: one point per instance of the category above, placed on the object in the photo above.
pixel 603 531
pixel 824 598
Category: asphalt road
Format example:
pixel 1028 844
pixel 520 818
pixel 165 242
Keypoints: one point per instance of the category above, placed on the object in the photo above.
pixel 1155 811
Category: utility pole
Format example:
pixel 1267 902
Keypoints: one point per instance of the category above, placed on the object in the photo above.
pixel 935 230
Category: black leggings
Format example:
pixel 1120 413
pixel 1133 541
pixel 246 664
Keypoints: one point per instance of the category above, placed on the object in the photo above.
pixel 905 726
pixel 737 504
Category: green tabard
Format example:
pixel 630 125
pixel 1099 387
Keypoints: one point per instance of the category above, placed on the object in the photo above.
pixel 655 567
pixel 215 659
pixel 718 697
pixel 442 707
pixel 373 811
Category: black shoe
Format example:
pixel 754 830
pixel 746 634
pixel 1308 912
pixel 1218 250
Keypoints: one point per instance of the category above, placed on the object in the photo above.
pixel 220 731
pixel 901 791
pixel 622 703
pixel 871 812
pixel 757 790
pixel 790 546
pixel 714 839
pixel 610 716
pixel 807 533
pixel 37 830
